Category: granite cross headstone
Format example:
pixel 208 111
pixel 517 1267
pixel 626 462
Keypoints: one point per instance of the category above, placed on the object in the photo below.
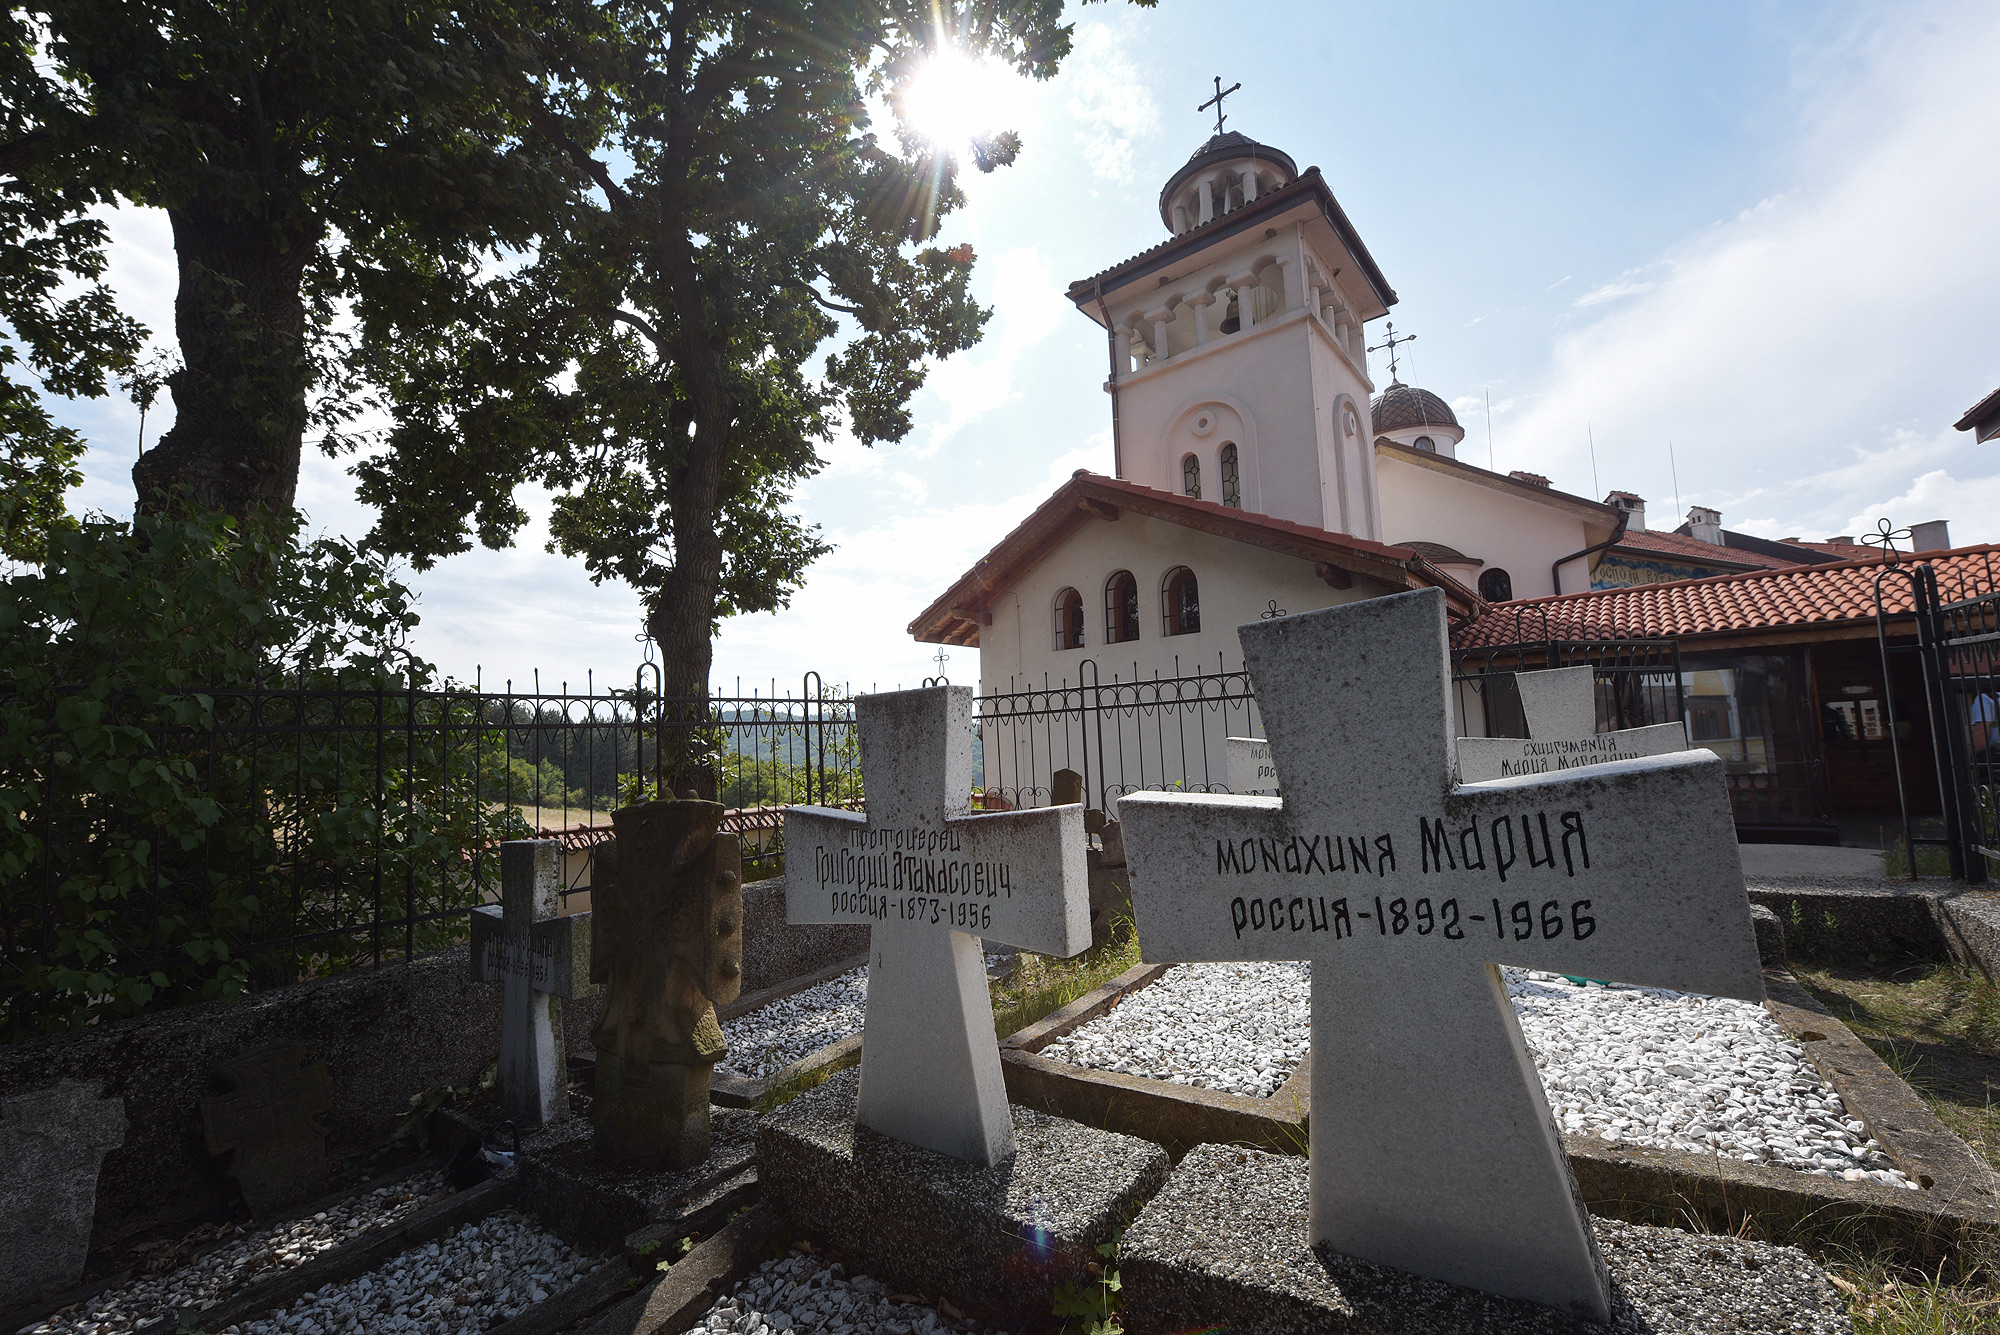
pixel 1433 1148
pixel 931 879
pixel 271 1124
pixel 1250 768
pixel 52 1144
pixel 537 958
pixel 668 945
pixel 1561 709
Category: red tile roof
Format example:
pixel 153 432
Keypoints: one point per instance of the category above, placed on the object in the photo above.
pixel 1651 542
pixel 957 613
pixel 1798 596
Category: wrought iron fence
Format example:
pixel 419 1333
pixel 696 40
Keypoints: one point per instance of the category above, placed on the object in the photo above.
pixel 1119 736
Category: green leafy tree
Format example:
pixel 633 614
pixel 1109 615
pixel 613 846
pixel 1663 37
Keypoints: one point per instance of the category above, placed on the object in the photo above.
pixel 59 322
pixel 175 828
pixel 752 266
pixel 285 142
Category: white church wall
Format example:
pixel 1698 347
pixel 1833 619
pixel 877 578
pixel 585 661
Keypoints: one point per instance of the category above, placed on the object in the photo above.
pixel 1512 533
pixel 1237 583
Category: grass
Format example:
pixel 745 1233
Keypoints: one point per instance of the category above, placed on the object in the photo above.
pixel 1938 1027
pixel 1935 1025
pixel 1931 860
pixel 1041 985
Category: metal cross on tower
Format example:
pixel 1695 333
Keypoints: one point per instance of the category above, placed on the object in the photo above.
pixel 1216 101
pixel 1390 343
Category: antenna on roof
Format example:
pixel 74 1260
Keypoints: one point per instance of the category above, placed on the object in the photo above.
pixel 1677 476
pixel 1594 487
pixel 1491 466
pixel 1216 101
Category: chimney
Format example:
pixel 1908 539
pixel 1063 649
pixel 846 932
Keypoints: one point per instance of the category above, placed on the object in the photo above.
pixel 1705 524
pixel 1632 507
pixel 1532 479
pixel 1934 536
pixel 1844 540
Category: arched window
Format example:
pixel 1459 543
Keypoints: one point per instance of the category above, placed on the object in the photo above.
pixel 1121 608
pixel 1191 476
pixel 1069 619
pixel 1180 602
pixel 1496 586
pixel 1425 443
pixel 1232 479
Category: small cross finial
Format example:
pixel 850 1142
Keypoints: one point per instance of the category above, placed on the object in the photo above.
pixel 1216 101
pixel 1390 343
pixel 940 658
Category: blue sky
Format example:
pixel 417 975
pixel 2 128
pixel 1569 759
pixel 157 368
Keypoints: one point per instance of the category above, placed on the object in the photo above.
pixel 1762 232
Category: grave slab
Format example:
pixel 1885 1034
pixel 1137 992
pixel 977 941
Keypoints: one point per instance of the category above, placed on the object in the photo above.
pixel 995 1237
pixel 52 1144
pixel 271 1123
pixel 538 958
pixel 1436 1150
pixel 591 1204
pixel 1225 1245
pixel 1561 709
pixel 931 880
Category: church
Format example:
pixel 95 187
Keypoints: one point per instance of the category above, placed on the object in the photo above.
pixel 1256 471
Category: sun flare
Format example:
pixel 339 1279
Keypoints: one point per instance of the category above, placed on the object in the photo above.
pixel 954 99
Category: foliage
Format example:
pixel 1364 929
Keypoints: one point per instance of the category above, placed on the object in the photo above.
pixel 1096 1304
pixel 216 761
pixel 1042 985
pixel 284 142
pixel 58 320
pixel 664 363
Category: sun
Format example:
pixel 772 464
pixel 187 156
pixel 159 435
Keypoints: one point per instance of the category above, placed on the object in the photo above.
pixel 954 99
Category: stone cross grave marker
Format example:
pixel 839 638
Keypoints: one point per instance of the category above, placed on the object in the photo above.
pixel 1561 709
pixel 1250 768
pixel 536 957
pixel 930 880
pixel 272 1124
pixel 1433 1148
pixel 52 1146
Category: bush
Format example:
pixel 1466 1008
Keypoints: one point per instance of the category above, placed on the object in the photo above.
pixel 220 768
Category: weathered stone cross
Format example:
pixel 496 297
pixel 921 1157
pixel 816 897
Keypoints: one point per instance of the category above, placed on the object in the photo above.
pixel 930 880
pixel 537 957
pixel 1433 1148
pixel 1561 709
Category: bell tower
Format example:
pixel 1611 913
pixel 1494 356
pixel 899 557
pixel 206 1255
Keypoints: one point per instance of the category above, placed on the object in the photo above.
pixel 1239 371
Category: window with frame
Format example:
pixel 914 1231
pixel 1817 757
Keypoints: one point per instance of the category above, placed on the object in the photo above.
pixel 1191 476
pixel 1425 443
pixel 1232 477
pixel 1180 602
pixel 1069 619
pixel 1121 608
pixel 1496 586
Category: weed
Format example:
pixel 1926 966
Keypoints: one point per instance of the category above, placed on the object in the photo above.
pixel 1042 985
pixel 1095 1304
pixel 1931 860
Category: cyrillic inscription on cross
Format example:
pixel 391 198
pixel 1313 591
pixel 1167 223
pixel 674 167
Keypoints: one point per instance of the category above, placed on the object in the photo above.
pixel 930 879
pixel 1561 708
pixel 536 957
pixel 1433 1148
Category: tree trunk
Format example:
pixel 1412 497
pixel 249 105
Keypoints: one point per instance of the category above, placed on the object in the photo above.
pixel 240 396
pixel 681 616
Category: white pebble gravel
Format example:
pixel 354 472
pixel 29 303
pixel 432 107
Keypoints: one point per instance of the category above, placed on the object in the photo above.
pixel 1640 1066
pixel 483 1274
pixel 799 1293
pixel 771 1037
pixel 764 1041
pixel 1238 1028
pixel 235 1265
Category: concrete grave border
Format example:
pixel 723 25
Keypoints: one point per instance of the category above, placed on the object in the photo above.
pixel 1959 1207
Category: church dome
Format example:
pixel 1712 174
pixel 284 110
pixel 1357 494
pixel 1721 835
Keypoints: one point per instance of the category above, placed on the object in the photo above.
pixel 1224 159
pixel 1401 406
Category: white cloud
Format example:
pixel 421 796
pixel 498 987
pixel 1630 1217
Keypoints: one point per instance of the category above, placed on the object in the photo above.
pixel 1808 350
pixel 1112 105
pixel 1028 306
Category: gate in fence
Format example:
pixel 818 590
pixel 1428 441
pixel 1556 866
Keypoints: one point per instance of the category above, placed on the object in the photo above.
pixel 1957 646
